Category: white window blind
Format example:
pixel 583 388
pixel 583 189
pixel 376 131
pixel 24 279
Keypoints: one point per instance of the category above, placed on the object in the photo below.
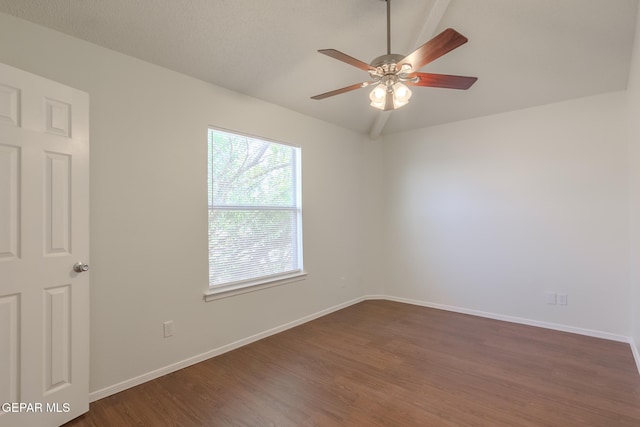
pixel 254 210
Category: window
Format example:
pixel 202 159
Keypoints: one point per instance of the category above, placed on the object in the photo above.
pixel 255 227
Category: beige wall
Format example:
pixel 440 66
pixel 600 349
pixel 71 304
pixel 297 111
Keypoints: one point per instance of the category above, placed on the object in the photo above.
pixel 488 214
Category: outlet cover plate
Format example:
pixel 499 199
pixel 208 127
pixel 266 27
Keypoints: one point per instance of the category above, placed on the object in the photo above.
pixel 562 299
pixel 551 298
pixel 168 328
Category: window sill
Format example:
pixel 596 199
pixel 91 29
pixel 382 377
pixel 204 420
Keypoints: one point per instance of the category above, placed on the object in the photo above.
pixel 232 290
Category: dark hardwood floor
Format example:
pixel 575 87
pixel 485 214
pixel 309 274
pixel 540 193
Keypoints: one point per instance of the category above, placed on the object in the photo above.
pixel 381 363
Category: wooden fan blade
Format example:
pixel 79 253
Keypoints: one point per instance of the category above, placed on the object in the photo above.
pixel 342 90
pixel 443 43
pixel 336 54
pixel 442 80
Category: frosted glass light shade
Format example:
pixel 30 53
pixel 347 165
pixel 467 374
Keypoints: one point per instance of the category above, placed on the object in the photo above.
pixel 399 92
pixel 378 96
pixel 401 95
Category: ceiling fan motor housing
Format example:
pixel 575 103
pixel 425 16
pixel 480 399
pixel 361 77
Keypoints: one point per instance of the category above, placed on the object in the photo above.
pixel 387 71
pixel 393 58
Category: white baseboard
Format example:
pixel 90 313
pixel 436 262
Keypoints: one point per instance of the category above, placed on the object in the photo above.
pixel 512 319
pixel 121 386
pixel 636 353
pixel 116 388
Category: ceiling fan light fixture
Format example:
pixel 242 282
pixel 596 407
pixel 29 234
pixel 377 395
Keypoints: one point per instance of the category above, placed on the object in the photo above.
pixel 401 95
pixel 378 96
pixel 398 92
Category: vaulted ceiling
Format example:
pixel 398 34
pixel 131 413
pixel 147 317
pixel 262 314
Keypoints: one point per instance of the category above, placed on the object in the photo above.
pixel 524 53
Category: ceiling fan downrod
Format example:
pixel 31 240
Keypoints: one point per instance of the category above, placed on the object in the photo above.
pixel 388 27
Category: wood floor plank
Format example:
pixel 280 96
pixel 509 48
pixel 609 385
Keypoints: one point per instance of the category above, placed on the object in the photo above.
pixel 382 363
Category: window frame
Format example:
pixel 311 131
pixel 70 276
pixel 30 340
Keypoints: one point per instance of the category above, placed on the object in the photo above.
pixel 228 289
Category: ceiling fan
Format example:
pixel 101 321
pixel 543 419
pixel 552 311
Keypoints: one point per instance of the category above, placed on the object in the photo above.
pixel 392 73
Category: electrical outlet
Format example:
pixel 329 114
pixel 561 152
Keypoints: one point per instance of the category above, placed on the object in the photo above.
pixel 562 299
pixel 550 298
pixel 168 328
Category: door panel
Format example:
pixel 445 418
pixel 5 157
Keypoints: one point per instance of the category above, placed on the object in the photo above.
pixel 44 231
pixel 9 315
pixel 9 201
pixel 57 220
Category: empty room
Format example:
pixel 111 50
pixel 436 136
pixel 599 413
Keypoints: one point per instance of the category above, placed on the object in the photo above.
pixel 338 213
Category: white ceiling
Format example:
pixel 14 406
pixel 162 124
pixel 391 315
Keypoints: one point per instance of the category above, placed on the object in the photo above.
pixel 524 52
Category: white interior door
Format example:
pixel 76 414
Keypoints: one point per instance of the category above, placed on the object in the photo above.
pixel 44 231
